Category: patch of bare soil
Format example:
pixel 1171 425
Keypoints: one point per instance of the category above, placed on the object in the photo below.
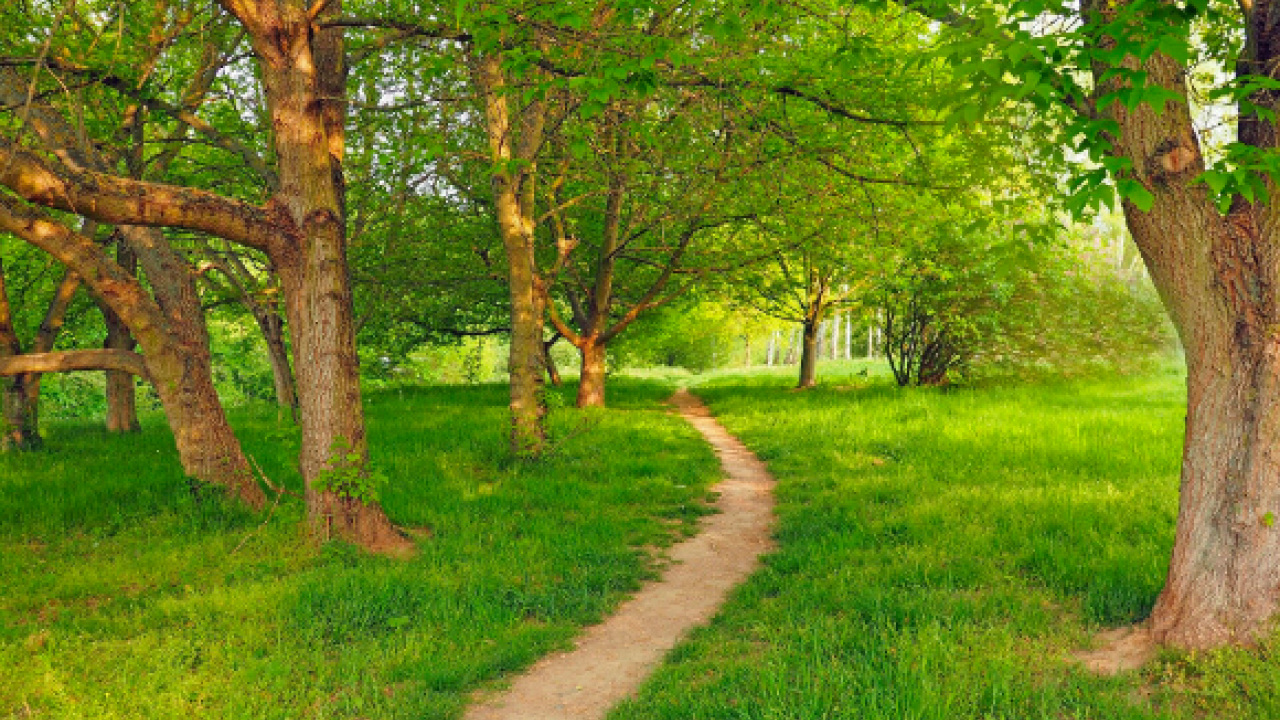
pixel 1121 650
pixel 612 659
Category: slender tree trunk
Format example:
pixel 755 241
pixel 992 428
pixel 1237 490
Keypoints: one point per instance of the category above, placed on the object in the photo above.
pixel 809 355
pixel 528 402
pixel 17 423
pixel 271 324
pixel 553 372
pixel 848 336
pixel 122 396
pixel 513 202
pixel 591 383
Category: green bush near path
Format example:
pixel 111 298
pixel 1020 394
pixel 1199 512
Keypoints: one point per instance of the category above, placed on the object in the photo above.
pixel 126 594
pixel 941 554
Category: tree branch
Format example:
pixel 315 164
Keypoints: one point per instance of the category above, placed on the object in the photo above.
pixel 73 361
pixel 119 201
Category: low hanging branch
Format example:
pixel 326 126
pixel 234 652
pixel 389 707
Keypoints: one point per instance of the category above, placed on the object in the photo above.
pixel 73 361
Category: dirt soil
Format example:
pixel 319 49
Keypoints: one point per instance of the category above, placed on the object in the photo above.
pixel 1121 650
pixel 612 659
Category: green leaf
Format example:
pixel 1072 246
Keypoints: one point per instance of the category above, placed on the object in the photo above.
pixel 1134 192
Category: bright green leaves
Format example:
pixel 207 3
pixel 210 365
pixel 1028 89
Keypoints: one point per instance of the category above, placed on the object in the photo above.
pixel 1242 173
pixel 347 474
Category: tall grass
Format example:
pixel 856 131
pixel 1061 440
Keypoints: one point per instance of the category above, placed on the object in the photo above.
pixel 125 593
pixel 941 554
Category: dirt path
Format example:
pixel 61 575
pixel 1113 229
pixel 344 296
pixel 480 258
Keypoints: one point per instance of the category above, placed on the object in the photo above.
pixel 612 659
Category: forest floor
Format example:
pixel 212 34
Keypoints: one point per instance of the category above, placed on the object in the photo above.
pixel 941 554
pixel 613 658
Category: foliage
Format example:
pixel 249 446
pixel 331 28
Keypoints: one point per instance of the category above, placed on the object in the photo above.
pixel 1003 300
pixel 348 475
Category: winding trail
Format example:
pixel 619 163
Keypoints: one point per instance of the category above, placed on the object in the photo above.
pixel 613 658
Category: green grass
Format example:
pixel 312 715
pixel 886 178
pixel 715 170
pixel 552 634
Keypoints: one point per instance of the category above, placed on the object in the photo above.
pixel 941 554
pixel 124 594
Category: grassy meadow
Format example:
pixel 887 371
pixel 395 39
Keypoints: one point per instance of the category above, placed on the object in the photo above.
pixel 941 553
pixel 125 595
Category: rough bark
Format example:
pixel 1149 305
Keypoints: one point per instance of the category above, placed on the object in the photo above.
pixel 1218 277
pixel 18 430
pixel 303 73
pixel 177 344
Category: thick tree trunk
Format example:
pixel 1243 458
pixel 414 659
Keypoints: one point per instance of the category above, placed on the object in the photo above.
pixel 181 368
pixel 19 418
pixel 591 382
pixel 304 78
pixel 1219 278
pixel 207 448
pixel 809 355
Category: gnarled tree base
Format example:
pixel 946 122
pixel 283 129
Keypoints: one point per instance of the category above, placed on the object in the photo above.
pixel 364 525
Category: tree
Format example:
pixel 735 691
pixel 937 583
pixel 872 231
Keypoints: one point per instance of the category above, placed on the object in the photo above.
pixel 302 69
pixel 1207 237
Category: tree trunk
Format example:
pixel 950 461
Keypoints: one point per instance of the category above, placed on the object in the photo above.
pixel 304 74
pixel 272 327
pixel 122 396
pixel 528 404
pixel 809 355
pixel 553 372
pixel 18 430
pixel 1217 277
pixel 513 190
pixel 591 382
